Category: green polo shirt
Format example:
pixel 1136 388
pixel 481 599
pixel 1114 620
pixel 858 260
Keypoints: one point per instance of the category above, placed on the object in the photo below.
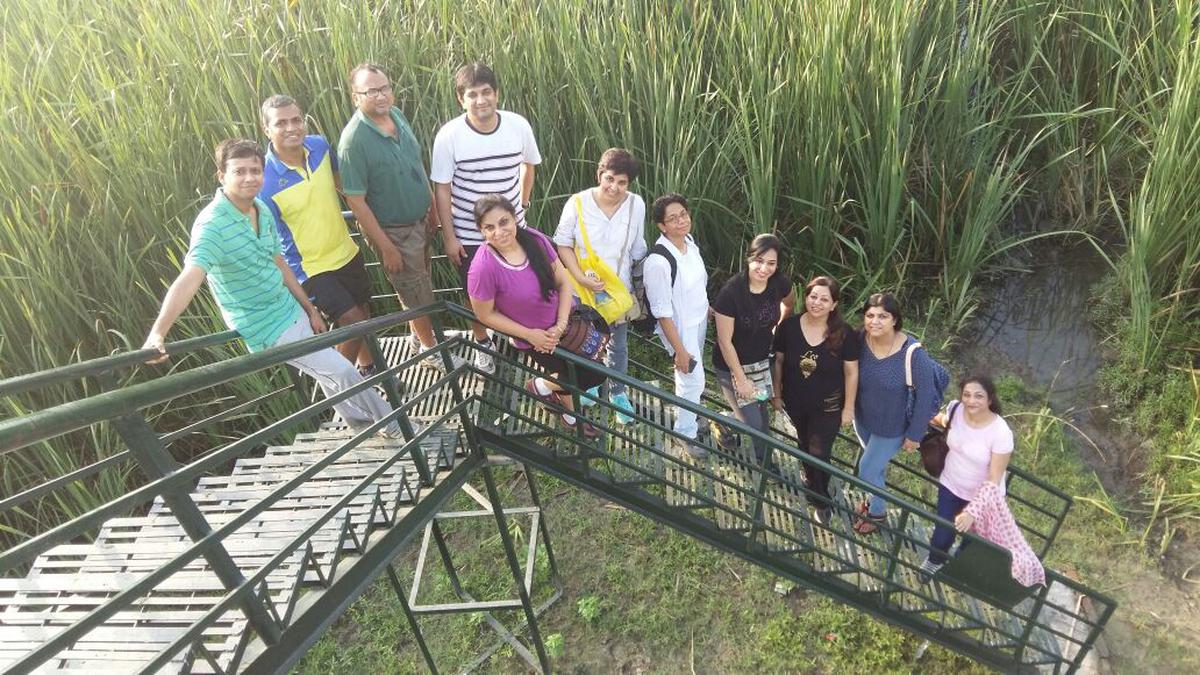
pixel 387 169
pixel 241 270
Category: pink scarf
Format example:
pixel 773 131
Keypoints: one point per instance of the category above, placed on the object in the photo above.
pixel 994 522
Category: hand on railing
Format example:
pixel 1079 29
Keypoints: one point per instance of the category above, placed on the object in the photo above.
pixel 158 343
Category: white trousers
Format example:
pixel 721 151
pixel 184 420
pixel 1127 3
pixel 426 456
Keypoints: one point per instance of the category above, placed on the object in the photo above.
pixel 334 373
pixel 689 386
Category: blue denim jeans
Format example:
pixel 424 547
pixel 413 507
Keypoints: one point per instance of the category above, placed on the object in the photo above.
pixel 872 466
pixel 756 415
pixel 617 356
pixel 949 505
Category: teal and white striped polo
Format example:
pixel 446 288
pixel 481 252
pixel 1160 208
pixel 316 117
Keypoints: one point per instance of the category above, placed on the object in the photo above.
pixel 241 270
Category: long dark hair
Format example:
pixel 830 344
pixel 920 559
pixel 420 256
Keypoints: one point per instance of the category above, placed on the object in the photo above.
pixel 835 328
pixel 534 252
pixel 989 388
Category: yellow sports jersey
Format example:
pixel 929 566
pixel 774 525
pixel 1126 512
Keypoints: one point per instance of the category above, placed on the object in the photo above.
pixel 307 212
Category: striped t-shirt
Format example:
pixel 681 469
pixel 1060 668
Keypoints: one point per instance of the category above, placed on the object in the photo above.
pixel 474 164
pixel 241 270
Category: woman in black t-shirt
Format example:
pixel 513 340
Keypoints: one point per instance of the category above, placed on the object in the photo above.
pixel 747 310
pixel 816 379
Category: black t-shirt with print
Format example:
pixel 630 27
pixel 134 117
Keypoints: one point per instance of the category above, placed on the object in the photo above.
pixel 754 316
pixel 813 378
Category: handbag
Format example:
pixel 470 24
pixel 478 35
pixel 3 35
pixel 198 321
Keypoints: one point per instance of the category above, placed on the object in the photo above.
pixel 759 374
pixel 934 448
pixel 587 332
pixel 615 300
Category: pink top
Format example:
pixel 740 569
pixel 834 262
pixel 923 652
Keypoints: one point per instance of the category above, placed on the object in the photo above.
pixel 514 289
pixel 971 452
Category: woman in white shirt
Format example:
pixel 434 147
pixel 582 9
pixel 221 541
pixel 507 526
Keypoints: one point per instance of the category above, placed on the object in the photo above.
pixel 677 291
pixel 614 218
pixel 981 444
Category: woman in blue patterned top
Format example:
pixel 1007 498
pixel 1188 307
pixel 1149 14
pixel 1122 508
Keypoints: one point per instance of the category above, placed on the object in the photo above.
pixel 881 417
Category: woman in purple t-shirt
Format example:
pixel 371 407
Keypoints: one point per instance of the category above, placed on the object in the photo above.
pixel 981 445
pixel 518 287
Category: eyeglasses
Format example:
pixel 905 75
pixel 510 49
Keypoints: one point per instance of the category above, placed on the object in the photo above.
pixel 374 92
pixel 680 217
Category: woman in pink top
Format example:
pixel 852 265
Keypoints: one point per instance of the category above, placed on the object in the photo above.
pixel 980 445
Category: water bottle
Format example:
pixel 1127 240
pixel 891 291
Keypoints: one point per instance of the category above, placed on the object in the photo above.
pixel 601 295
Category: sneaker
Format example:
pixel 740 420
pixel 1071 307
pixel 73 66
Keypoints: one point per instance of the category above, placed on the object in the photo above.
pixel 823 515
pixel 552 399
pixel 592 397
pixel 696 450
pixel 434 361
pixel 483 360
pixel 928 570
pixel 393 434
pixel 624 408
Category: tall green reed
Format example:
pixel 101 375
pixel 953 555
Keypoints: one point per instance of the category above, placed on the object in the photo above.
pixel 887 142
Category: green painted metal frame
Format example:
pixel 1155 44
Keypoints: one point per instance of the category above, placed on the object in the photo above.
pixel 172 481
pixel 908 469
pixel 584 464
pixel 577 467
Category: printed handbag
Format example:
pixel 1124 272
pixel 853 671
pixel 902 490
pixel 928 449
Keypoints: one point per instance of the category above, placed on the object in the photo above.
pixel 759 374
pixel 615 300
pixel 933 446
pixel 587 333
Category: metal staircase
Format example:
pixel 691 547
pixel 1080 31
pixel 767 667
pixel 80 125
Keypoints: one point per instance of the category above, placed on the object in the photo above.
pixel 239 559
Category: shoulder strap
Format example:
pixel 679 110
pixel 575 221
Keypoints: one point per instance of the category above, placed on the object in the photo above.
pixel 587 245
pixel 950 414
pixel 908 355
pixel 662 250
pixel 628 233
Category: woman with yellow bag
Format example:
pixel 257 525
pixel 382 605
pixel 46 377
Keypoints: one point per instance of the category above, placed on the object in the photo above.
pixel 600 235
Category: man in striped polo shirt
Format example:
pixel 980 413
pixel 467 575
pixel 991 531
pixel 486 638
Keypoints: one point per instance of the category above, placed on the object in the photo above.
pixel 482 151
pixel 235 246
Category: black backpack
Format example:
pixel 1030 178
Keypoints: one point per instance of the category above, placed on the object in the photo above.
pixel 644 320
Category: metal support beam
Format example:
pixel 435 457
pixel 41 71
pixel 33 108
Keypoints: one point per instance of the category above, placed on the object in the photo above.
pixel 156 463
pixel 514 566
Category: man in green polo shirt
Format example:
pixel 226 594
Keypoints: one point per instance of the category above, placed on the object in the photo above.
pixel 236 247
pixel 383 180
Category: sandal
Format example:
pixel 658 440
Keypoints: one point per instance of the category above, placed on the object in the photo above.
pixel 865 523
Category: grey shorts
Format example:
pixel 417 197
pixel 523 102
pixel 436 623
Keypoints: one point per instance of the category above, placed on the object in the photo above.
pixel 414 284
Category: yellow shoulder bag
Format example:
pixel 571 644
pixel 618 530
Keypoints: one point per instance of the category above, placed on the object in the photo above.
pixel 615 300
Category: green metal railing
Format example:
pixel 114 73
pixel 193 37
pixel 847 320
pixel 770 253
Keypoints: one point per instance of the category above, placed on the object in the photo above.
pixel 728 502
pixel 282 634
pixel 1039 508
pixel 731 503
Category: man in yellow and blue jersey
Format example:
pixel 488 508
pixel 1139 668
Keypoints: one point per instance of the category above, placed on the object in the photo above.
pixel 300 187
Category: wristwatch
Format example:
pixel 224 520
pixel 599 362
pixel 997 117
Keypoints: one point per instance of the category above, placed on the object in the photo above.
pixel 525 205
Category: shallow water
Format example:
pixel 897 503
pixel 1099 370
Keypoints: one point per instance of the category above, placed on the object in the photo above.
pixel 1039 322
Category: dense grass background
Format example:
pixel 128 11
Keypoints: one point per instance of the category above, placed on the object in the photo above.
pixel 891 143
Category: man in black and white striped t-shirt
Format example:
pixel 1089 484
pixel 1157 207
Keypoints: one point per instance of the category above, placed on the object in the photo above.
pixel 483 151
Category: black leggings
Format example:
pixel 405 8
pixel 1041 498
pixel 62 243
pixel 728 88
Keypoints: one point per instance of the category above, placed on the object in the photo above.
pixel 586 378
pixel 815 433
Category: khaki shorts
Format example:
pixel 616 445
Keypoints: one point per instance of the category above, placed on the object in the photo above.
pixel 414 285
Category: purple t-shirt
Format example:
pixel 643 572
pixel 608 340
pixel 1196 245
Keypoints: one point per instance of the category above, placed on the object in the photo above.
pixel 515 290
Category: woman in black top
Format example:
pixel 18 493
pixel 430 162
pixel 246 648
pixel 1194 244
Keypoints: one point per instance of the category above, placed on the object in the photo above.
pixel 747 310
pixel 816 379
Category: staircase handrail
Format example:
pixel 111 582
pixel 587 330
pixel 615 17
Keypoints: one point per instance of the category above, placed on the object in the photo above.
pixel 41 425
